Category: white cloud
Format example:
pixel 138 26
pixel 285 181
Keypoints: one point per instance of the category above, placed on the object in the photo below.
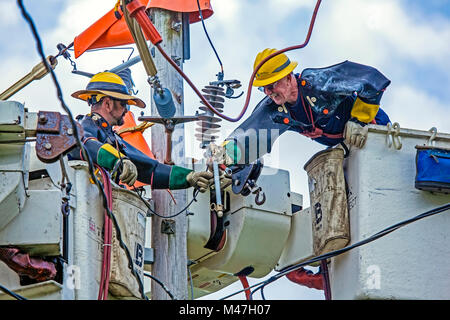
pixel 8 14
pixel 225 11
pixel 379 32
pixel 414 108
pixel 278 10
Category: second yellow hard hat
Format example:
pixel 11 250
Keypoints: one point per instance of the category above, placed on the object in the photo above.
pixel 272 70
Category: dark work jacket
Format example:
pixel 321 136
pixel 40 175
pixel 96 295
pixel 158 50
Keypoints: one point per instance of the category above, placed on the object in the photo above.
pixel 97 133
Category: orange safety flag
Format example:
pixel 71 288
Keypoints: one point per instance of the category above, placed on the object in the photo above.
pixel 108 31
pixel 136 138
pixel 112 30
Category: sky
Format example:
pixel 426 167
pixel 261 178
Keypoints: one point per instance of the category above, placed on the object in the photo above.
pixel 406 40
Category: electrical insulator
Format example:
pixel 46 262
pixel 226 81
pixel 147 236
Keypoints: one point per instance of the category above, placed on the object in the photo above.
pixel 209 125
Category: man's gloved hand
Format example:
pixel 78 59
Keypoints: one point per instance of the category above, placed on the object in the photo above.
pixel 225 180
pixel 355 133
pixel 201 180
pixel 129 172
pixel 219 154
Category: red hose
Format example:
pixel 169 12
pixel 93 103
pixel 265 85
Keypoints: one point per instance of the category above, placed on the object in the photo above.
pixel 245 285
pixel 326 279
pixel 106 261
pixel 144 23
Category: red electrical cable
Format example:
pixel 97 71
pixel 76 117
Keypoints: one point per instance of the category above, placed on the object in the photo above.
pixel 326 279
pixel 143 21
pixel 106 260
pixel 245 285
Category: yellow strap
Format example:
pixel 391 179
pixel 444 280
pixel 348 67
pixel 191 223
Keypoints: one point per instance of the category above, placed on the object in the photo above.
pixel 112 150
pixel 225 143
pixel 116 7
pixel 95 174
pixel 363 111
pixel 139 128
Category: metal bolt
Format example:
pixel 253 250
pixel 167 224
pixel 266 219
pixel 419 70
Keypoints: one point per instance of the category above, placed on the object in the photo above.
pixel 237 182
pixel 177 60
pixel 47 146
pixel 70 131
pixel 168 226
pixel 42 119
pixel 176 25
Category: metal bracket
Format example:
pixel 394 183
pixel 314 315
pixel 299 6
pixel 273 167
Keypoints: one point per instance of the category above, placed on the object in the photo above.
pixel 169 124
pixel 168 226
pixel 230 85
pixel 431 141
pixel 149 256
pixel 54 136
pixel 393 136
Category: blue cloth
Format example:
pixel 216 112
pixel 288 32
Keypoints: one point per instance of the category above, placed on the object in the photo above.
pixel 433 169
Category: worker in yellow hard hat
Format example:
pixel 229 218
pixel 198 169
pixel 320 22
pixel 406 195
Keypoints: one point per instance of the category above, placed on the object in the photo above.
pixel 109 98
pixel 330 105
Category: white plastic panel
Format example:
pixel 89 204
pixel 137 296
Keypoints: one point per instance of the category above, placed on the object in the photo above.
pixel 38 227
pixel 410 262
pixel 299 246
pixel 48 290
pixel 14 164
pixel 256 234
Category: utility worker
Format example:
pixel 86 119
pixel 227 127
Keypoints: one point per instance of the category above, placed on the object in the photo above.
pixel 329 105
pixel 108 96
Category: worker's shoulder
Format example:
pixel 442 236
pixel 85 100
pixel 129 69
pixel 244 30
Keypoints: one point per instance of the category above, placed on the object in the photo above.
pixel 344 69
pixel 346 76
pixel 91 124
pixel 266 103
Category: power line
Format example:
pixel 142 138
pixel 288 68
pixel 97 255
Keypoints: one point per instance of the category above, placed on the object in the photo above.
pixel 207 36
pixel 161 284
pixel 332 254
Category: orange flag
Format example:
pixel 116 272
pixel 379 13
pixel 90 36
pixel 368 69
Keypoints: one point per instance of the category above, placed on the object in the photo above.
pixel 112 30
pixel 136 139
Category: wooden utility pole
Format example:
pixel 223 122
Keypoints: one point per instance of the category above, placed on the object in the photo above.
pixel 169 235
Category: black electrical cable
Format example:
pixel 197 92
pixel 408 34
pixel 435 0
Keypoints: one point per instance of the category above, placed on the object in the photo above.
pixel 191 282
pixel 11 293
pixel 80 145
pixel 207 36
pixel 376 236
pixel 262 294
pixel 331 254
pixel 161 284
pixel 194 198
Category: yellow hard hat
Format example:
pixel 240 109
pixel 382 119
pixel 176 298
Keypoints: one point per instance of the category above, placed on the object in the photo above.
pixel 107 84
pixel 272 70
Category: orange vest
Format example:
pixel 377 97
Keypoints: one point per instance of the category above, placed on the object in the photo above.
pixel 136 139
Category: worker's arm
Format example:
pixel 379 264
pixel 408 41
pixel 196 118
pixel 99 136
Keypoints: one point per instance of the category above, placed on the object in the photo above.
pixel 150 171
pixel 256 135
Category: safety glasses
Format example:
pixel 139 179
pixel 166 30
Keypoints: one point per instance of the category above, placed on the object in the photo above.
pixel 123 103
pixel 269 87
